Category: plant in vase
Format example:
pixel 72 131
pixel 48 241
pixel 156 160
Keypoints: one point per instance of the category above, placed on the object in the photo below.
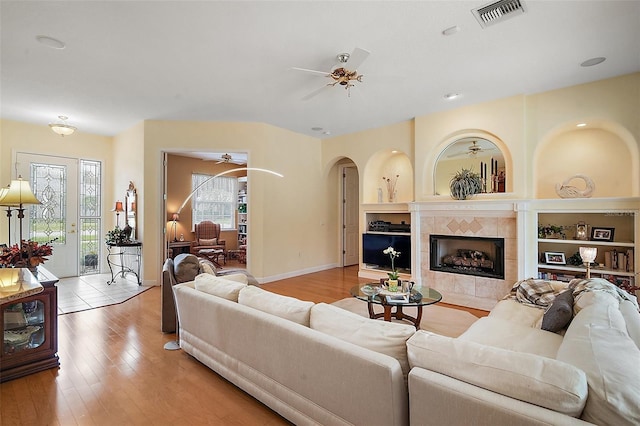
pixel 29 254
pixel 465 184
pixel 392 283
pixel 391 187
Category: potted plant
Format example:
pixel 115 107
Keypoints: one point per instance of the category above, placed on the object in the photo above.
pixel 465 184
pixel 392 283
pixel 117 236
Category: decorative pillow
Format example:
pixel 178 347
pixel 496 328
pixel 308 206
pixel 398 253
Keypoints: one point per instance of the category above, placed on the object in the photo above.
pixel 185 267
pixel 218 286
pixel 205 242
pixel 285 307
pixel 560 313
pixel 538 380
pixel 206 268
pixel 388 338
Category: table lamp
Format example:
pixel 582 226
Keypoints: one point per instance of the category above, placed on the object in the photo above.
pixel 17 195
pixel 118 209
pixel 588 255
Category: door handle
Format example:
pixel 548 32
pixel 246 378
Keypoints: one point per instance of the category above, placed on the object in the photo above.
pixel 73 229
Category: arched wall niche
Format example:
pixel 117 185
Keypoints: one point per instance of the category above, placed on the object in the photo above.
pixel 603 150
pixel 387 164
pixel 441 167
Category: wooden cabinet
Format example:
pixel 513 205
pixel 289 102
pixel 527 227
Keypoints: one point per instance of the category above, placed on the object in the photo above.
pixel 559 245
pixel 30 331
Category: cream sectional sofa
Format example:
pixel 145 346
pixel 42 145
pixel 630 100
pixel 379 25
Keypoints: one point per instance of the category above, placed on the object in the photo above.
pixel 319 364
pixel 506 370
pixel 314 364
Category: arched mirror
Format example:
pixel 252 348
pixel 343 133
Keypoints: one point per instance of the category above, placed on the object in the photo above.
pixel 131 205
pixel 477 154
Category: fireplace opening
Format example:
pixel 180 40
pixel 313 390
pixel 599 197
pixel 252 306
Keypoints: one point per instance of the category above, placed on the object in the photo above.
pixel 479 256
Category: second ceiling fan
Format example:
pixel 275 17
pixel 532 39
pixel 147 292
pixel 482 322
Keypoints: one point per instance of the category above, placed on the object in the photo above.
pixel 345 73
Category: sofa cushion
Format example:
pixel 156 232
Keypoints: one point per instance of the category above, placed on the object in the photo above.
pixel 516 312
pixel 539 380
pixel 560 313
pixel 207 242
pixel 275 304
pixel 597 342
pixel 632 319
pixel 218 286
pixel 185 267
pixel 505 334
pixel 381 336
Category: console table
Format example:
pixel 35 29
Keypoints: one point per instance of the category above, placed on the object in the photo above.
pixel 123 259
pixel 29 323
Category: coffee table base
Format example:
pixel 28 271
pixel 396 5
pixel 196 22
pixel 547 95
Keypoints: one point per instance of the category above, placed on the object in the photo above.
pixel 387 314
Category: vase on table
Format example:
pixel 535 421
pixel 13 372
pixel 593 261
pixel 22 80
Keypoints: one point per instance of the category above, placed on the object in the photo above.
pixel 392 285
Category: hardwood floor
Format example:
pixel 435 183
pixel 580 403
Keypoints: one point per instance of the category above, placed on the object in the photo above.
pixel 114 370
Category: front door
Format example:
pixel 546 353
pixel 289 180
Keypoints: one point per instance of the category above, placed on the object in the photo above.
pixel 54 181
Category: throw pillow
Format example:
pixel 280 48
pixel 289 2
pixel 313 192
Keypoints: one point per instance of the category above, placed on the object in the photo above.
pixel 206 268
pixel 560 313
pixel 285 307
pixel 538 380
pixel 185 267
pixel 536 292
pixel 206 242
pixel 218 286
pixel 388 338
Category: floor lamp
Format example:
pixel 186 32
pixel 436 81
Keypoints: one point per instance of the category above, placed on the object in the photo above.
pixel 3 192
pixel 175 345
pixel 17 195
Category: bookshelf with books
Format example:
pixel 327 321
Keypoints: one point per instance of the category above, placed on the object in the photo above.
pixel 612 233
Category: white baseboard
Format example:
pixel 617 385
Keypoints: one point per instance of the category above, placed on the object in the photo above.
pixel 264 280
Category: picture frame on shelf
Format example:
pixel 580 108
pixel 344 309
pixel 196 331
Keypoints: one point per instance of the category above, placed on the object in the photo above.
pixel 554 258
pixel 601 233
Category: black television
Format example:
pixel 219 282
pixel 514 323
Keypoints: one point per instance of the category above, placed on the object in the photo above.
pixel 374 244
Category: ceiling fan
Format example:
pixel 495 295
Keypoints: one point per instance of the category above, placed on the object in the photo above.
pixel 345 73
pixel 226 158
pixel 469 150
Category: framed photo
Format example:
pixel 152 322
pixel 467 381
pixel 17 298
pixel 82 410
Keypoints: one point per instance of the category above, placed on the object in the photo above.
pixel 554 258
pixel 599 233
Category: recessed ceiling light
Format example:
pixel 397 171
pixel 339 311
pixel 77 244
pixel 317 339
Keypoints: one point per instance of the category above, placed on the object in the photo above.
pixel 50 42
pixel 316 129
pixel 451 30
pixel 394 151
pixel 450 96
pixel 581 125
pixel 593 61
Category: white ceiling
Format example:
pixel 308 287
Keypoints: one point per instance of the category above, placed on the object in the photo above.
pixel 128 61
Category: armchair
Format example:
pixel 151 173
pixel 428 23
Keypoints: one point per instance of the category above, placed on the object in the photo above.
pixel 207 237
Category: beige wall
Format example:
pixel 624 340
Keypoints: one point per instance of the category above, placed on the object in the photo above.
pixel 288 216
pixel 294 221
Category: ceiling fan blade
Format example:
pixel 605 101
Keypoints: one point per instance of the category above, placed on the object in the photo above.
pixel 357 58
pixel 326 74
pixel 315 92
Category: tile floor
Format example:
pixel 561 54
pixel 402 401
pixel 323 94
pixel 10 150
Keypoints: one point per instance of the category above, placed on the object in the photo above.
pixel 92 291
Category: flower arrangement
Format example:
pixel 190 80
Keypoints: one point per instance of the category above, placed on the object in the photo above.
pixel 393 275
pixel 391 186
pixel 28 254
pixel 118 235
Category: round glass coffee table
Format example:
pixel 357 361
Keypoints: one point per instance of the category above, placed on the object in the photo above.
pixel 375 294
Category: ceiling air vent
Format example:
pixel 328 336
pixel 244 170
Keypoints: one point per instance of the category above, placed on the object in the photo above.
pixel 497 12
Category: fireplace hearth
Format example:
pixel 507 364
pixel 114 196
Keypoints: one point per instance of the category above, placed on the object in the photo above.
pixel 477 256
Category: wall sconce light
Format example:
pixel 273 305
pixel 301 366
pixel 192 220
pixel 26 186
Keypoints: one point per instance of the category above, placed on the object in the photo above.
pixel 61 127
pixel 588 255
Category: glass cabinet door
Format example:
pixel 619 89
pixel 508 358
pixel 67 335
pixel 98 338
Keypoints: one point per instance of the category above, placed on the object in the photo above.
pixel 24 326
